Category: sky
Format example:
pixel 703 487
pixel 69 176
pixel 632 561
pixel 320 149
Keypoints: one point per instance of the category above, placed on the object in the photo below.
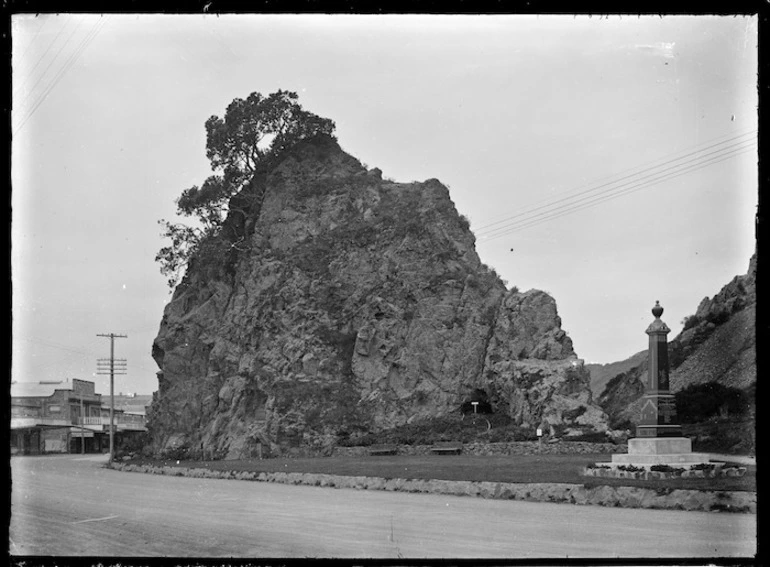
pixel 611 162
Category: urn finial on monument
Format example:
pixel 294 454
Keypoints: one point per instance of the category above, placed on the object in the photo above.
pixel 658 326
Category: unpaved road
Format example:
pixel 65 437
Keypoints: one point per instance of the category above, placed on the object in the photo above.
pixel 70 505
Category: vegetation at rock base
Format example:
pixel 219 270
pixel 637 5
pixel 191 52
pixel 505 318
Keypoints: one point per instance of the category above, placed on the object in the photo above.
pixel 723 435
pixel 469 428
pixel 699 402
pixel 252 131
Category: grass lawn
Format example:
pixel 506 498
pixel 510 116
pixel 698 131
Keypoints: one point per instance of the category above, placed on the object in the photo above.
pixel 514 469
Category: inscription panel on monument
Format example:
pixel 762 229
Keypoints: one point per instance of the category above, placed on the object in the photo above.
pixel 667 410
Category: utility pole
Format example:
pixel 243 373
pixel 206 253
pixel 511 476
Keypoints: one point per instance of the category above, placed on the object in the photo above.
pixel 112 366
pixel 82 426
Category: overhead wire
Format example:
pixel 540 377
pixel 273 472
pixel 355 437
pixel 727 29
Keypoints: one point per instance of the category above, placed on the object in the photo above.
pixel 47 365
pixel 573 198
pixel 56 56
pixel 655 175
pixel 42 57
pixel 34 37
pixel 62 70
pixel 618 177
pixel 57 346
pixel 611 197
pixel 94 353
pixel 587 202
pixel 569 206
pixel 615 176
pixel 73 57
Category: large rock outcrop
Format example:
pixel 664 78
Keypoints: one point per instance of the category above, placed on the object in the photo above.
pixel 338 303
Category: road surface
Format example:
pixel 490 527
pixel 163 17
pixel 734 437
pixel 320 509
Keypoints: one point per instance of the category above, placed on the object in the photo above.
pixel 70 505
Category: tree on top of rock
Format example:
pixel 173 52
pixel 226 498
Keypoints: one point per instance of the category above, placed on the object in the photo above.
pixel 251 131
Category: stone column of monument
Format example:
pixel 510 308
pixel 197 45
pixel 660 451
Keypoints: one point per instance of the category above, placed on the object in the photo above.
pixel 658 434
pixel 658 416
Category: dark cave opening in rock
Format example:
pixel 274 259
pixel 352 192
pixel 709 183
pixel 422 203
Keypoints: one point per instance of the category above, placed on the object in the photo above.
pixel 476 402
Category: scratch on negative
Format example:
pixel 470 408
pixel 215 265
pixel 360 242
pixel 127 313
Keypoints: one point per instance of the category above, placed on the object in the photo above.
pixel 94 519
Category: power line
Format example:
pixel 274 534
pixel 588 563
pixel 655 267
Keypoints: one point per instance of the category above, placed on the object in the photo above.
pixel 599 199
pixel 64 68
pixel 55 57
pixel 652 175
pixel 56 346
pixel 40 60
pixel 536 222
pixel 85 42
pixel 37 33
pixel 607 196
pixel 614 179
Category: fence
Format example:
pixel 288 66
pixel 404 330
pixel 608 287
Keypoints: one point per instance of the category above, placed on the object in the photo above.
pixel 118 419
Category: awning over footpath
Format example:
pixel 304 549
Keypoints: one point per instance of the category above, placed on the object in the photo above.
pixel 81 432
pixel 30 422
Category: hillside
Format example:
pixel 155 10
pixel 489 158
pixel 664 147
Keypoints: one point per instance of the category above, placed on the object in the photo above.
pixel 345 304
pixel 717 345
pixel 603 373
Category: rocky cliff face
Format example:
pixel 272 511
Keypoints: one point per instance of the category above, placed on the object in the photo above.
pixel 343 303
pixel 717 344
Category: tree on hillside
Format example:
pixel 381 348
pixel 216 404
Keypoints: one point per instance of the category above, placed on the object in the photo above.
pixel 251 131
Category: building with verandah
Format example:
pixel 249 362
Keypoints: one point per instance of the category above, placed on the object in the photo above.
pixel 65 417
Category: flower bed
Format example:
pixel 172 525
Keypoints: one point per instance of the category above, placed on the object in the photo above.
pixel 658 472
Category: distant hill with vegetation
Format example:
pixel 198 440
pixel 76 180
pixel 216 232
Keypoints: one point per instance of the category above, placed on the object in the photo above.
pixel 603 373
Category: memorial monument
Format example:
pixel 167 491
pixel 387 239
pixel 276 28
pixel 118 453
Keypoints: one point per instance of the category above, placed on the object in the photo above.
pixel 659 437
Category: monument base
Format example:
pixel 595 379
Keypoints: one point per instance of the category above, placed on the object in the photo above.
pixel 658 431
pixel 674 451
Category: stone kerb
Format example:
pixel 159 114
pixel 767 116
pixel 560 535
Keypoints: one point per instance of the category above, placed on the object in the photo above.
pixel 603 495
